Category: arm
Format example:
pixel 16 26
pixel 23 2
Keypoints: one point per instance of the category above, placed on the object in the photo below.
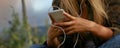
pixel 82 25
pixel 101 32
pixel 113 8
pixel 114 15
pixel 97 29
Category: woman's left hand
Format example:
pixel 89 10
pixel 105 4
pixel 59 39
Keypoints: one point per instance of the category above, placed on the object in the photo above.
pixel 76 24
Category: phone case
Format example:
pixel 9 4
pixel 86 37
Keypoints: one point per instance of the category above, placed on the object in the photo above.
pixel 57 15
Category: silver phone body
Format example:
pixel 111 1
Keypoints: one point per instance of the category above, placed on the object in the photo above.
pixel 57 15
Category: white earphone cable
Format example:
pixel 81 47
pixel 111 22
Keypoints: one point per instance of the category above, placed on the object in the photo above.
pixel 63 33
pixel 78 16
pixel 64 30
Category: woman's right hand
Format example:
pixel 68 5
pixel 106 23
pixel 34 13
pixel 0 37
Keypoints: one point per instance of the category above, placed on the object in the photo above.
pixel 53 31
pixel 52 34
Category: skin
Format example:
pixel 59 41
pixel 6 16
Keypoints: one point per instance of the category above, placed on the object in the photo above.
pixel 77 25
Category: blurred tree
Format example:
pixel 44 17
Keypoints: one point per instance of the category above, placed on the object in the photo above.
pixel 26 25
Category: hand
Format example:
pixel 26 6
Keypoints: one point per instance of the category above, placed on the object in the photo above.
pixel 76 24
pixel 54 32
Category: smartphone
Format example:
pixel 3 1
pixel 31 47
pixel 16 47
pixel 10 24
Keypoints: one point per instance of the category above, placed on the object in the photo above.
pixel 57 15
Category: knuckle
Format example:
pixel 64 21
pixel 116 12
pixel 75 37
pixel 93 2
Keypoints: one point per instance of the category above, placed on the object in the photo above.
pixel 73 22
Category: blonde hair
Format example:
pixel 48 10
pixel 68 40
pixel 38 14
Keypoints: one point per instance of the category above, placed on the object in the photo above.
pixel 98 8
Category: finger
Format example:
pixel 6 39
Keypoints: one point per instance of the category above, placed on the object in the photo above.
pixel 69 29
pixel 69 16
pixel 70 32
pixel 52 19
pixel 66 20
pixel 64 23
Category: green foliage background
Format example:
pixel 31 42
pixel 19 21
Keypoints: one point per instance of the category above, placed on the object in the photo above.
pixel 20 34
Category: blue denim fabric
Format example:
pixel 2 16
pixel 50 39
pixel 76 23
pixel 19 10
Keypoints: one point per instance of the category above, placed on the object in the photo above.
pixel 38 46
pixel 112 43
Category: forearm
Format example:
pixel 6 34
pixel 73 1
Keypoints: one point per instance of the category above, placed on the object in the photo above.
pixel 101 31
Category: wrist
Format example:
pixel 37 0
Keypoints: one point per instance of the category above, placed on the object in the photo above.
pixel 92 27
pixel 101 31
pixel 53 43
pixel 49 42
